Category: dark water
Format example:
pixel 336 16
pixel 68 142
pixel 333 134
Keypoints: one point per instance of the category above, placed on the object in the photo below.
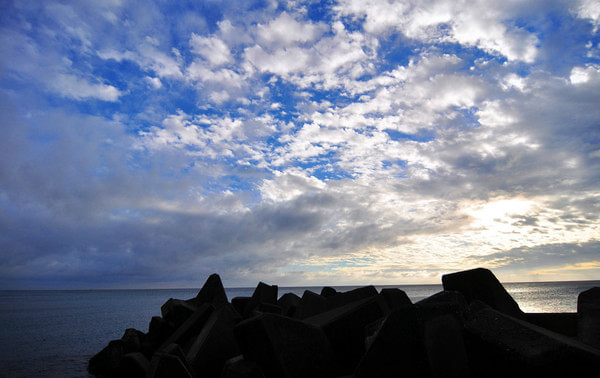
pixel 54 333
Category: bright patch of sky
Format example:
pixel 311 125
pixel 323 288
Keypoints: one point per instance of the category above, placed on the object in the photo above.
pixel 303 142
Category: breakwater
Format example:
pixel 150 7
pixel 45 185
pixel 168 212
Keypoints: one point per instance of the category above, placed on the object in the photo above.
pixel 471 328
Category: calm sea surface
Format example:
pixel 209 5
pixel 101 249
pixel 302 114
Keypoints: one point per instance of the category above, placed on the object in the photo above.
pixel 54 333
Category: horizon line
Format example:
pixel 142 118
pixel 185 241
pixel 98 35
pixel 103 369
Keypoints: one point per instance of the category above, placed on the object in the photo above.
pixel 292 286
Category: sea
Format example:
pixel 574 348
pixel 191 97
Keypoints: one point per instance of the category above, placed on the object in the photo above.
pixel 54 333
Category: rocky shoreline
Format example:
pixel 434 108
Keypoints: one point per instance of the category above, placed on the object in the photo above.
pixel 473 328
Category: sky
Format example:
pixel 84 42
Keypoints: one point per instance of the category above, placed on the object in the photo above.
pixel 148 144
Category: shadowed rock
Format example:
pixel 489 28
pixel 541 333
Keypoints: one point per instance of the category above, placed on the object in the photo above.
pixel 169 364
pixel 443 303
pixel 107 361
pixel 215 343
pixel 289 303
pixel 481 284
pixel 371 330
pixel 446 353
pixel 176 311
pixel 562 322
pixel 283 347
pixel 238 367
pixel 158 331
pixel 328 291
pixel 268 307
pixel 190 328
pixel 395 298
pixel 397 349
pixel 262 294
pixel 240 304
pixel 313 304
pixel 345 329
pixel 212 292
pixel 500 345
pixel 134 365
pixel 347 297
pixel 132 340
pixel 310 304
pixel 588 315
pixel 177 351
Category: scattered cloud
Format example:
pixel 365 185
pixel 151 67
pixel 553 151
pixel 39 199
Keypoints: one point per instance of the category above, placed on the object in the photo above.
pixel 480 24
pixel 154 82
pixel 580 75
pixel 286 31
pixel 214 50
pixel 347 142
pixel 589 9
pixel 71 86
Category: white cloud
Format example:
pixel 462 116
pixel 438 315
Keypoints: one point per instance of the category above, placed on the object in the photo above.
pixel 205 137
pixel 116 55
pixel 152 41
pixel 29 59
pixel 71 22
pixel 219 85
pixel 289 185
pixel 580 75
pixel 485 29
pixel 285 31
pixel 380 15
pixel 81 89
pixel 444 91
pixel 159 62
pixel 224 77
pixel 212 49
pixel 282 62
pixel 154 82
pixel 233 35
pixel 325 63
pixel 492 114
pixel 480 24
pixel 219 97
pixel 149 58
pixel 589 9
pixel 344 49
pixel 177 131
pixel 408 98
pixel 513 80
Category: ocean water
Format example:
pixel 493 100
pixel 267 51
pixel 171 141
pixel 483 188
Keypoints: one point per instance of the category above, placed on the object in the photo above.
pixel 54 333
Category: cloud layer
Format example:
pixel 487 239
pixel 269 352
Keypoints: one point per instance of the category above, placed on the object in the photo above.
pixel 347 142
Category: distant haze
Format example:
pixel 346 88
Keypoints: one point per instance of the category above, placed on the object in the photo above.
pixel 148 144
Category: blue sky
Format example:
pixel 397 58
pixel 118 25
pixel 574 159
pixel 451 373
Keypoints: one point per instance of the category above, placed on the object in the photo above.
pixel 150 144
